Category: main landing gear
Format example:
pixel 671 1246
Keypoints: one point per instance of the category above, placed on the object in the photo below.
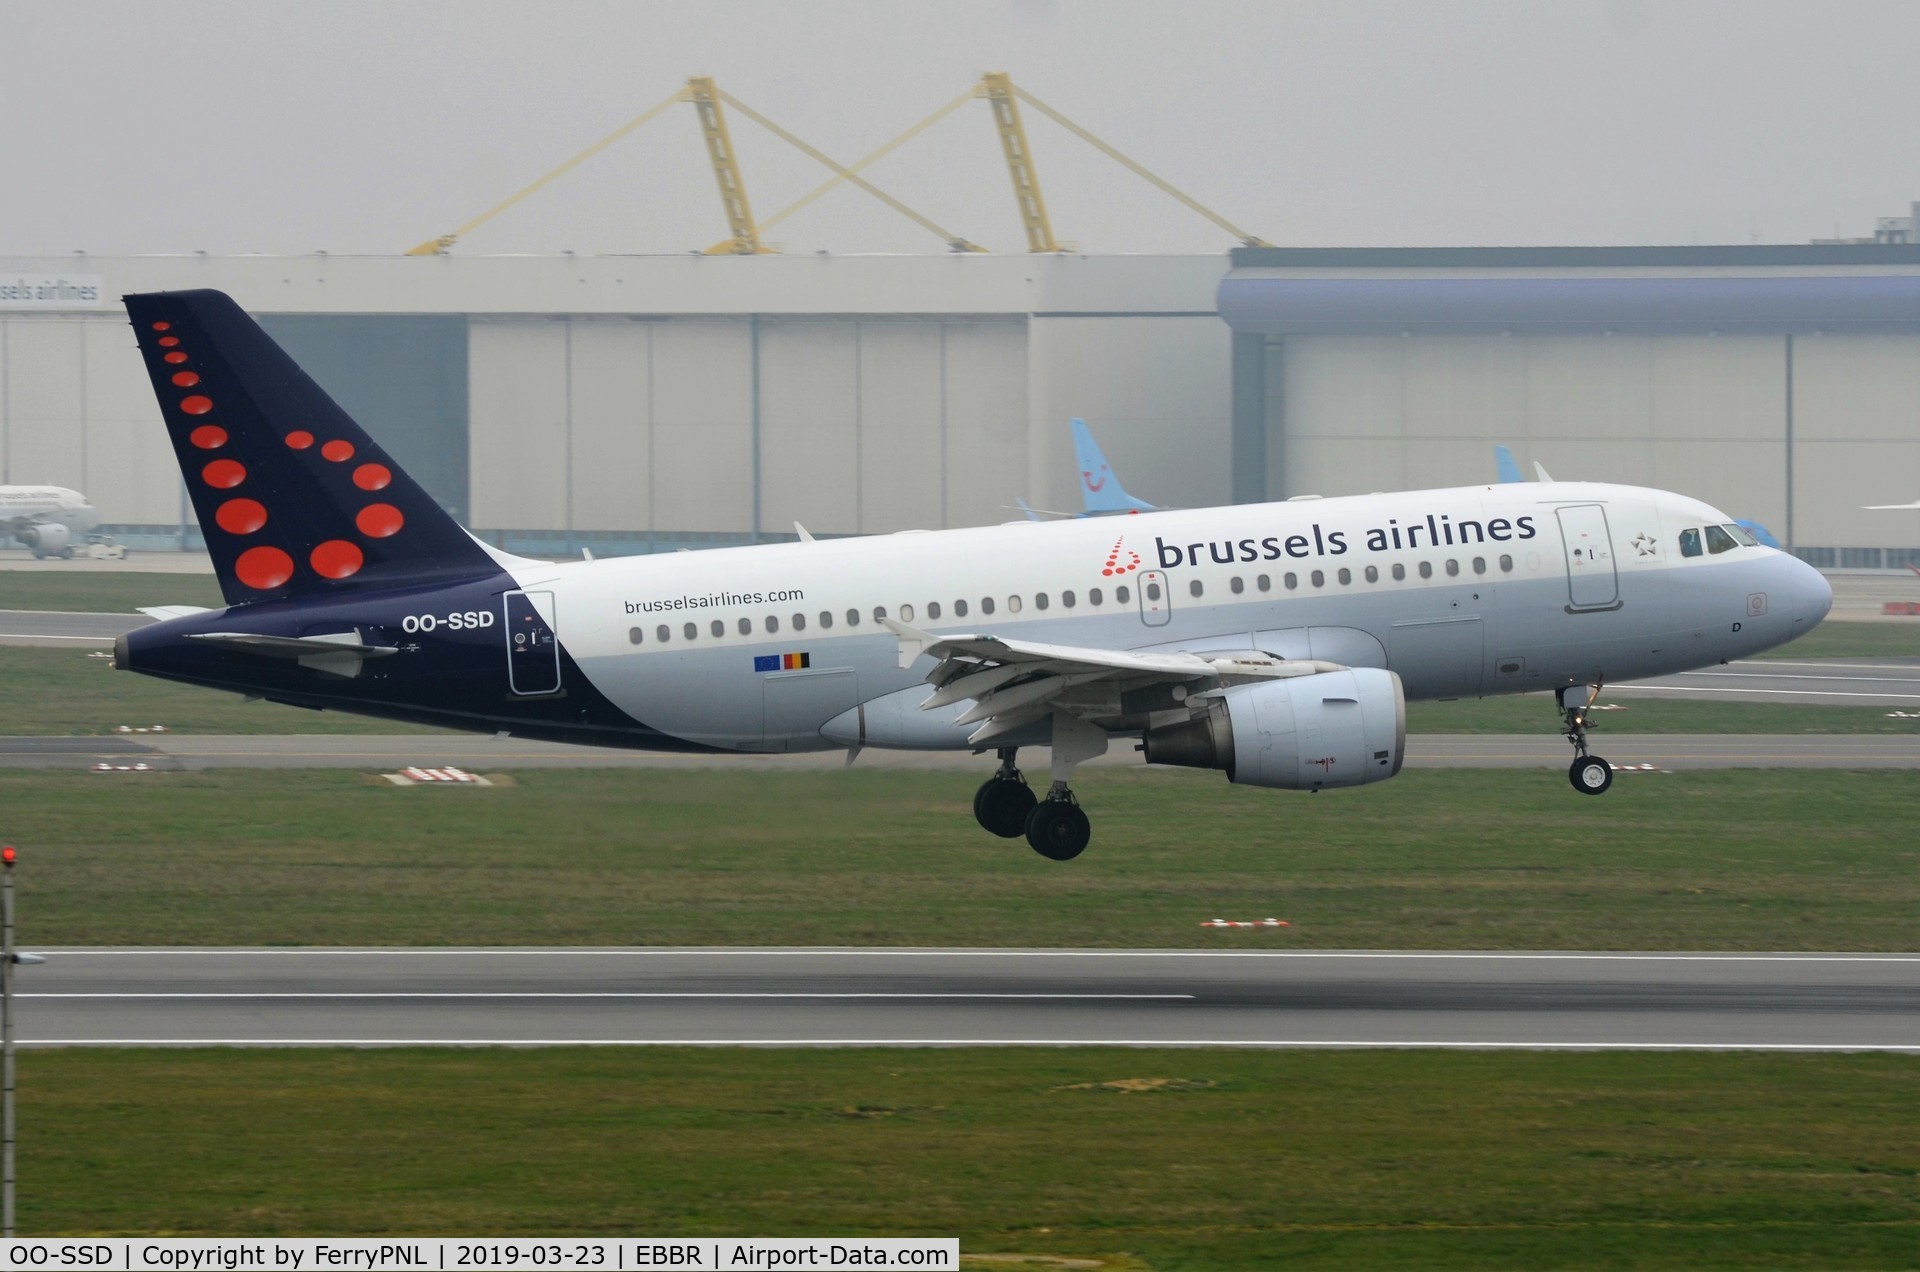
pixel 1589 774
pixel 1055 827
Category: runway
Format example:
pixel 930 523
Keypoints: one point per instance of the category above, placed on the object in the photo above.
pixel 177 752
pixel 931 997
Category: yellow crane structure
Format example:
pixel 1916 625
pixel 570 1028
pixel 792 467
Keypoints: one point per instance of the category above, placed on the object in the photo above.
pixel 997 87
pixel 744 234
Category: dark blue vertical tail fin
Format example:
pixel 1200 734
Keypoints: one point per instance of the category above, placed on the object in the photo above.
pixel 293 497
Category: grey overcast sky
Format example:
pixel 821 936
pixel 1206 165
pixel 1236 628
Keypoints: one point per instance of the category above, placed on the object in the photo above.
pixel 365 126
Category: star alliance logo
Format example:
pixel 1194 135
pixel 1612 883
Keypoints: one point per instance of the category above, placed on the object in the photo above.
pixel 1645 544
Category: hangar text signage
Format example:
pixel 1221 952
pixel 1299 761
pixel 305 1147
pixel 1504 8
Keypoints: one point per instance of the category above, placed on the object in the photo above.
pixel 52 291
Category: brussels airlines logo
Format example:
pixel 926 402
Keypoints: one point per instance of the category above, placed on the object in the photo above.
pixel 1116 564
pixel 1438 532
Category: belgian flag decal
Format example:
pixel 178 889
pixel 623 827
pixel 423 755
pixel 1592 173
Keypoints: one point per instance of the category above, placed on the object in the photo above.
pixel 782 662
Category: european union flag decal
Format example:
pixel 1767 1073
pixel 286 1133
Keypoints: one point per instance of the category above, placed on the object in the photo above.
pixel 781 662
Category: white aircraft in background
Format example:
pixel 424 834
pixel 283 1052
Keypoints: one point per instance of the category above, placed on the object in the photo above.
pixel 1277 643
pixel 1890 507
pixel 48 519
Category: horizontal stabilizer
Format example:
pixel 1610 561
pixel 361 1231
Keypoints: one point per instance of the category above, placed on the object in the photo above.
pixel 337 653
pixel 165 612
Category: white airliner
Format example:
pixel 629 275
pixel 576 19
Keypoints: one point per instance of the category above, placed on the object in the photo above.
pixel 48 519
pixel 1275 642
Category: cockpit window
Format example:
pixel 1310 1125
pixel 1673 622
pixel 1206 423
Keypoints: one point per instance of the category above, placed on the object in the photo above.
pixel 1689 543
pixel 1741 535
pixel 1719 541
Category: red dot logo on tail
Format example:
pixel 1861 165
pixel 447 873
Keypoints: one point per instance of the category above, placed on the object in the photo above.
pixel 336 559
pixel 263 569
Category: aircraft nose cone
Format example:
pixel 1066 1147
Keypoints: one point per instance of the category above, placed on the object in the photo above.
pixel 1812 594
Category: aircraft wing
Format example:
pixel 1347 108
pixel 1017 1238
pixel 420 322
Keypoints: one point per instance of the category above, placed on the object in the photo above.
pixel 1013 683
pixel 1890 507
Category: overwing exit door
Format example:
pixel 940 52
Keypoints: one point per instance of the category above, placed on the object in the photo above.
pixel 533 649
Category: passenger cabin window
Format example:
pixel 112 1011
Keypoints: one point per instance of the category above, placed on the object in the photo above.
pixel 1506 564
pixel 1292 581
pixel 826 618
pixel 1718 541
pixel 1196 587
pixel 1095 596
pixel 906 613
pixel 1426 569
pixel 634 635
pixel 773 624
pixel 746 627
pixel 933 609
pixel 959 609
pixel 853 618
pixel 1319 579
pixel 1262 582
pixel 663 633
pixel 1373 574
pixel 879 613
pixel 1236 585
pixel 690 631
pixel 1346 576
pixel 1453 567
pixel 1479 565
pixel 1039 600
pixel 1399 572
pixel 1013 605
pixel 799 622
pixel 718 628
pixel 986 605
pixel 1122 595
pixel 1066 599
pixel 1689 543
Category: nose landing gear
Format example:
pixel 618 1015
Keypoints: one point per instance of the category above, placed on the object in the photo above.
pixel 1589 774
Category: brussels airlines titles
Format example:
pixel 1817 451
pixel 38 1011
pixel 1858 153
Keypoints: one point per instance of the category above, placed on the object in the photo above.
pixel 1441 531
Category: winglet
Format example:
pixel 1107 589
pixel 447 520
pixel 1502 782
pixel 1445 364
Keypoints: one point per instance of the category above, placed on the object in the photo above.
pixel 802 532
pixel 1540 471
pixel 913 641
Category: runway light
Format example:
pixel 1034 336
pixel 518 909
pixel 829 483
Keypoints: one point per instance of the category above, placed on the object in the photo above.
pixel 7 855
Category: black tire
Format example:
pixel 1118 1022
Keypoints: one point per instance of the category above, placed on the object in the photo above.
pixel 66 553
pixel 1058 831
pixel 1591 775
pixel 1001 807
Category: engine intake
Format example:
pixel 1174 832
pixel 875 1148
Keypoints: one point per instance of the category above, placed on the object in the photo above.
pixel 48 538
pixel 1336 728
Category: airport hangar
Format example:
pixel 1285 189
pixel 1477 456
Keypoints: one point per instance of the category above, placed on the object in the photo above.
pixel 649 403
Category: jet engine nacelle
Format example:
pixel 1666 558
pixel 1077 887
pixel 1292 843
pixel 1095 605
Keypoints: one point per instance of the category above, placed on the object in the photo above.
pixel 1335 728
pixel 49 538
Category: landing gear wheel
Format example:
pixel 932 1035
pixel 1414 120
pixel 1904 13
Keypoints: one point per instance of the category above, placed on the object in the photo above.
pixel 1591 775
pixel 1058 830
pixel 1001 807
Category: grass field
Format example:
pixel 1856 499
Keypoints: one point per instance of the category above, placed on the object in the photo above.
pixel 63 691
pixel 1723 860
pixel 107 591
pixel 1162 1159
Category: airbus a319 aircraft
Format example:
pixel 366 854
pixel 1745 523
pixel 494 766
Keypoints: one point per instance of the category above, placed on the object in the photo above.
pixel 1278 642
pixel 48 519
